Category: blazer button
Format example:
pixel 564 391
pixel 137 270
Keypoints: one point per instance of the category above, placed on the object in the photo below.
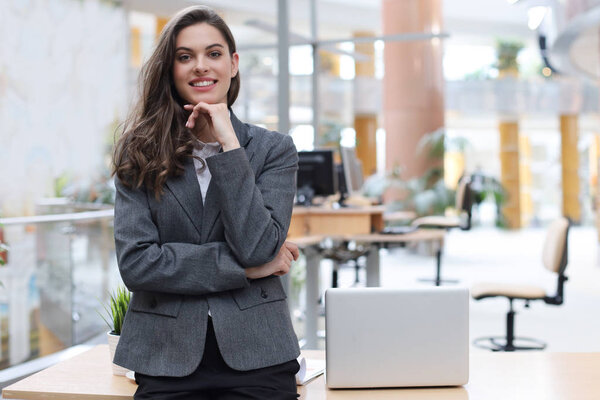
pixel 263 294
pixel 153 303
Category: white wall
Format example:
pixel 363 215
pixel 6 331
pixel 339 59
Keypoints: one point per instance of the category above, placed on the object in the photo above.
pixel 63 70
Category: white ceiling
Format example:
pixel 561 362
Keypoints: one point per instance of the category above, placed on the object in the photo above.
pixel 474 19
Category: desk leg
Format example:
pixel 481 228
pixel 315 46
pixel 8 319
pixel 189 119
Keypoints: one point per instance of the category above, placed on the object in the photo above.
pixel 373 266
pixel 313 260
pixel 438 265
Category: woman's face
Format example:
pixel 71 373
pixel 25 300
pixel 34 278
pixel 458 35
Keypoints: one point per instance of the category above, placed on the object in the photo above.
pixel 203 67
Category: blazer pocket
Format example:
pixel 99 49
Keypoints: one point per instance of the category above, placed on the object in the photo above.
pixel 156 303
pixel 261 291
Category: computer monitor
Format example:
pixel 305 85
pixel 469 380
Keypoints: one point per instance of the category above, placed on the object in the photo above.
pixel 317 175
pixel 352 170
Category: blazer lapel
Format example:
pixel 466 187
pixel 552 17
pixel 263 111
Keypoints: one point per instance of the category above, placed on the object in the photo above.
pixel 212 208
pixel 187 191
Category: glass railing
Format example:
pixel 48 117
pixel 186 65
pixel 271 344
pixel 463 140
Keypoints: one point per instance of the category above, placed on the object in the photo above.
pixel 61 265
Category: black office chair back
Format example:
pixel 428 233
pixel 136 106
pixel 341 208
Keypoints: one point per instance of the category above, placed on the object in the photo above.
pixel 555 256
pixel 464 202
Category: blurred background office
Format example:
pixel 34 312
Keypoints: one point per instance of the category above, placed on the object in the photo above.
pixel 424 91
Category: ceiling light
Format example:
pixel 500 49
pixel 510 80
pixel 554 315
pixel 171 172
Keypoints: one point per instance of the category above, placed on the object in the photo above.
pixel 536 16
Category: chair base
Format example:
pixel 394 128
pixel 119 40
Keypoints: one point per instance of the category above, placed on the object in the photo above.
pixel 499 343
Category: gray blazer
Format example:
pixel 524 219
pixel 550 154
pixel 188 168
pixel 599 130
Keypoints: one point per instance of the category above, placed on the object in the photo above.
pixel 180 257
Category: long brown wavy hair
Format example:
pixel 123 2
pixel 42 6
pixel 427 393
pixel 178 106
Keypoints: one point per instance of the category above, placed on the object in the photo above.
pixel 155 142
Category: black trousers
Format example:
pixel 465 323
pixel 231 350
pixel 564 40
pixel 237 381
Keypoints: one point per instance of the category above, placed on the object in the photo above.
pixel 214 380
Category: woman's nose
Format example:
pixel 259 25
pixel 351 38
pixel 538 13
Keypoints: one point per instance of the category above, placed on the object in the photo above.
pixel 201 66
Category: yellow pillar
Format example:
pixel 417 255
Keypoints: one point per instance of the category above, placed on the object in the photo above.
pixel 365 124
pixel 570 167
pixel 160 24
pixel 509 172
pixel 525 180
pixel 136 47
pixel 454 168
pixel 329 63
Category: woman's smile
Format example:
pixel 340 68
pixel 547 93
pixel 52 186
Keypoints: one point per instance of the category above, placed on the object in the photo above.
pixel 203 84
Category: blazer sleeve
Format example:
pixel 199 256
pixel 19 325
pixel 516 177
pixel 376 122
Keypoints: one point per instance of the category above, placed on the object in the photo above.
pixel 256 210
pixel 182 268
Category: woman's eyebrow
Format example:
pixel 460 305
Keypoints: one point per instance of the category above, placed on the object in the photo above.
pixel 182 48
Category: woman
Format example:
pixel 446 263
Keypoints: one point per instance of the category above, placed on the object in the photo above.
pixel 202 210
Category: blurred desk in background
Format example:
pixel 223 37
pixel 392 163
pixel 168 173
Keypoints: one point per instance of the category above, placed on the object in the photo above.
pixel 310 221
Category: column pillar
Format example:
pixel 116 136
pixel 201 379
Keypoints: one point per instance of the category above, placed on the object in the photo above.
pixel 160 24
pixel 509 172
pixel 365 121
pixel 329 69
pixel 413 100
pixel 136 47
pixel 569 131
pixel 329 63
pixel 525 180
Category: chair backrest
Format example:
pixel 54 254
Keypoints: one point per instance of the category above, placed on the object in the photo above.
pixel 464 200
pixel 462 195
pixel 555 251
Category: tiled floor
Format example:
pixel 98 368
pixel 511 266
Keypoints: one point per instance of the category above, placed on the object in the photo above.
pixel 488 254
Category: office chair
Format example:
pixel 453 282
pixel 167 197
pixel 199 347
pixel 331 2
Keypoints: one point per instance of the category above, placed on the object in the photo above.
pixel 554 258
pixel 464 203
pixel 342 253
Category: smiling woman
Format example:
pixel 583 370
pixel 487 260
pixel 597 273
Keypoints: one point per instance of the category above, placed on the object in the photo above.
pixel 202 211
pixel 203 66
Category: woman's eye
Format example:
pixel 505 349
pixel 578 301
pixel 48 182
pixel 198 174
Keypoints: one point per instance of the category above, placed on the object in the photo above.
pixel 184 57
pixel 215 54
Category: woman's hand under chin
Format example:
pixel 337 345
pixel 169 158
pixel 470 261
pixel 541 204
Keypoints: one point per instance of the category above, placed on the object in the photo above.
pixel 217 120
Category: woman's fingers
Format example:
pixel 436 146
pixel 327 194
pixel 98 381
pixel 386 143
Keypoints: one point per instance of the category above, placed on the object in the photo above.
pixel 219 122
pixel 293 248
pixel 195 113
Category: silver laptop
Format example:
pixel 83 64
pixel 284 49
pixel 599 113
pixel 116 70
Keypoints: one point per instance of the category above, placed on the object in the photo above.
pixel 378 337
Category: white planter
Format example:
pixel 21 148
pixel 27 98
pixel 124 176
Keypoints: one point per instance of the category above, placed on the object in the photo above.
pixel 112 346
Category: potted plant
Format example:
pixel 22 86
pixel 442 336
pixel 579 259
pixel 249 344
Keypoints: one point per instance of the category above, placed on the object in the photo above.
pixel 507 52
pixel 116 309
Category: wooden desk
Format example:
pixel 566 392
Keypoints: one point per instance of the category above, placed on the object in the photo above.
pixel 493 376
pixel 309 221
pixel 87 376
pixel 376 241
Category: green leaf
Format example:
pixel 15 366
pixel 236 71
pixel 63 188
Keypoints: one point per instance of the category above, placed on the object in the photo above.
pixel 115 310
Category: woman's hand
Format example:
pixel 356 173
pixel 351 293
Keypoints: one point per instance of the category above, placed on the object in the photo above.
pixel 217 120
pixel 279 266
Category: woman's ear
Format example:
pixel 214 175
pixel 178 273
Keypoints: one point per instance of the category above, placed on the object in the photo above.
pixel 235 63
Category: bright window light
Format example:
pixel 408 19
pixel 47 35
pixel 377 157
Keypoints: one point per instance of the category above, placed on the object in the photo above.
pixel 301 60
pixel 303 137
pixel 346 62
pixel 348 137
pixel 480 58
